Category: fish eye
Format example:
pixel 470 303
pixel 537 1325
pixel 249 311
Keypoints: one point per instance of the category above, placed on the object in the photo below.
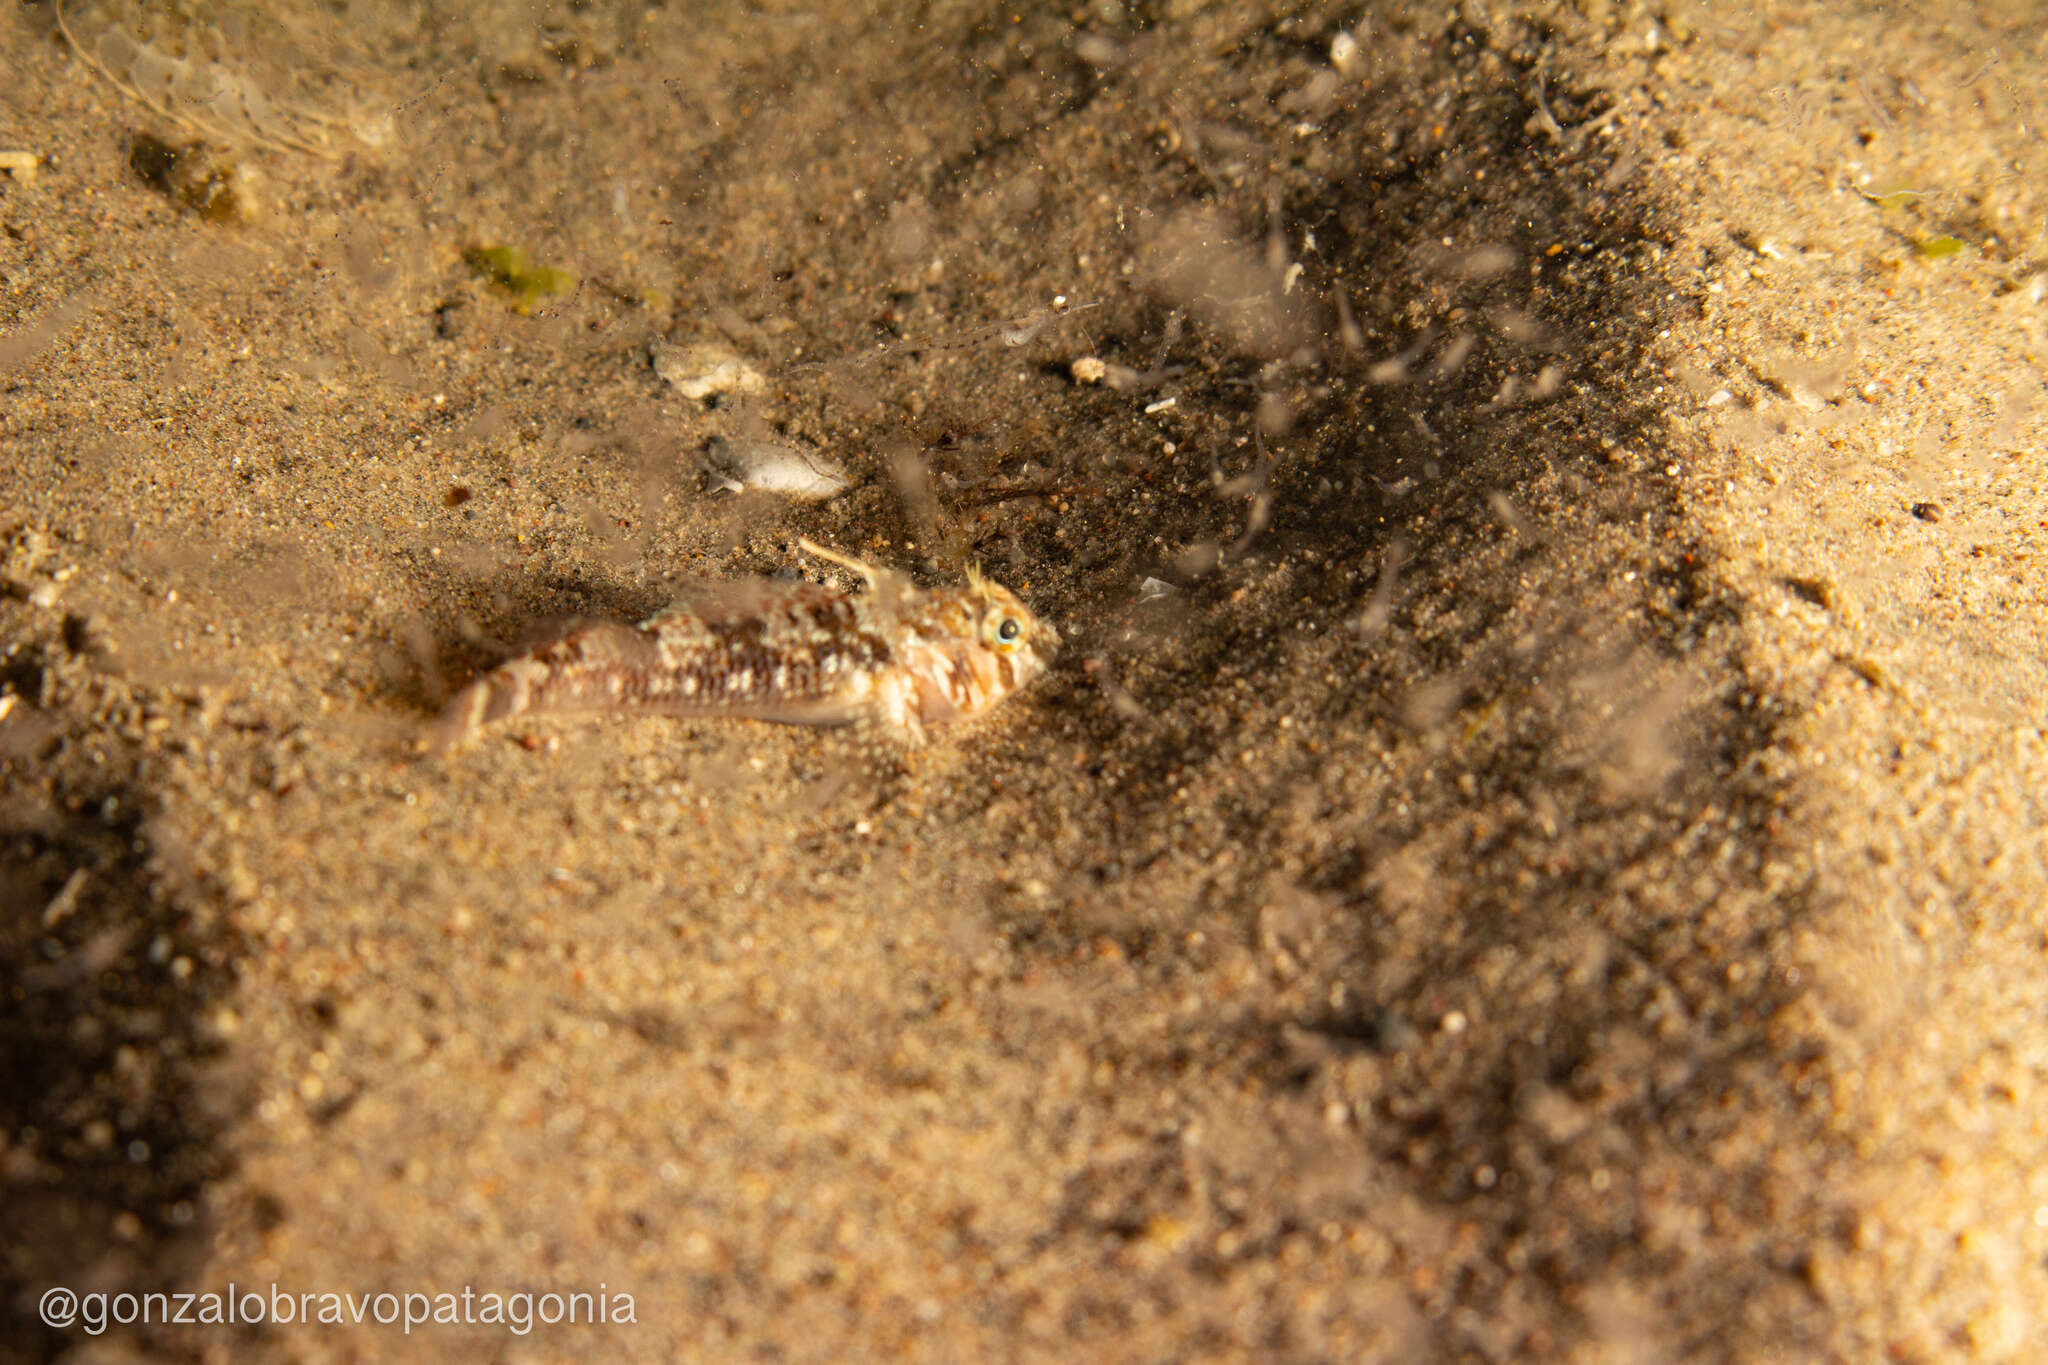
pixel 1009 630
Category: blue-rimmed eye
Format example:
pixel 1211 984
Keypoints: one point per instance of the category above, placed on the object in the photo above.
pixel 1009 630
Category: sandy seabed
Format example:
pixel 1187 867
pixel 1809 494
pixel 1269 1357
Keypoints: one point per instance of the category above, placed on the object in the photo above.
pixel 1532 850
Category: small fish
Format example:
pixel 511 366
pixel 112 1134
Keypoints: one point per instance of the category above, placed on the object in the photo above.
pixel 897 657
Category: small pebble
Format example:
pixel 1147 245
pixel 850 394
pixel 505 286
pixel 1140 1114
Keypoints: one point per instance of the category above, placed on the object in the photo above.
pixel 700 372
pixel 1927 511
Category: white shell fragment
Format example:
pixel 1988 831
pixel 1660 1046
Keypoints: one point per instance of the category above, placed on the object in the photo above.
pixel 700 372
pixel 773 467
pixel 1152 589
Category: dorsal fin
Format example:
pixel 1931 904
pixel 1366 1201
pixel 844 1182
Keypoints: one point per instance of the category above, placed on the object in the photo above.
pixel 867 571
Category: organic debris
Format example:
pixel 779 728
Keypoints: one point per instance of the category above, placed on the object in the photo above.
pixel 202 178
pixel 514 272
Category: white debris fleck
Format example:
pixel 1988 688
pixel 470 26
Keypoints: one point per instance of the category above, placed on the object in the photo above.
pixel 1161 406
pixel 700 372
pixel 1343 51
pixel 1152 589
pixel 774 467
pixel 1097 50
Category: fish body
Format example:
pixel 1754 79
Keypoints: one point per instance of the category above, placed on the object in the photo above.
pixel 896 656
